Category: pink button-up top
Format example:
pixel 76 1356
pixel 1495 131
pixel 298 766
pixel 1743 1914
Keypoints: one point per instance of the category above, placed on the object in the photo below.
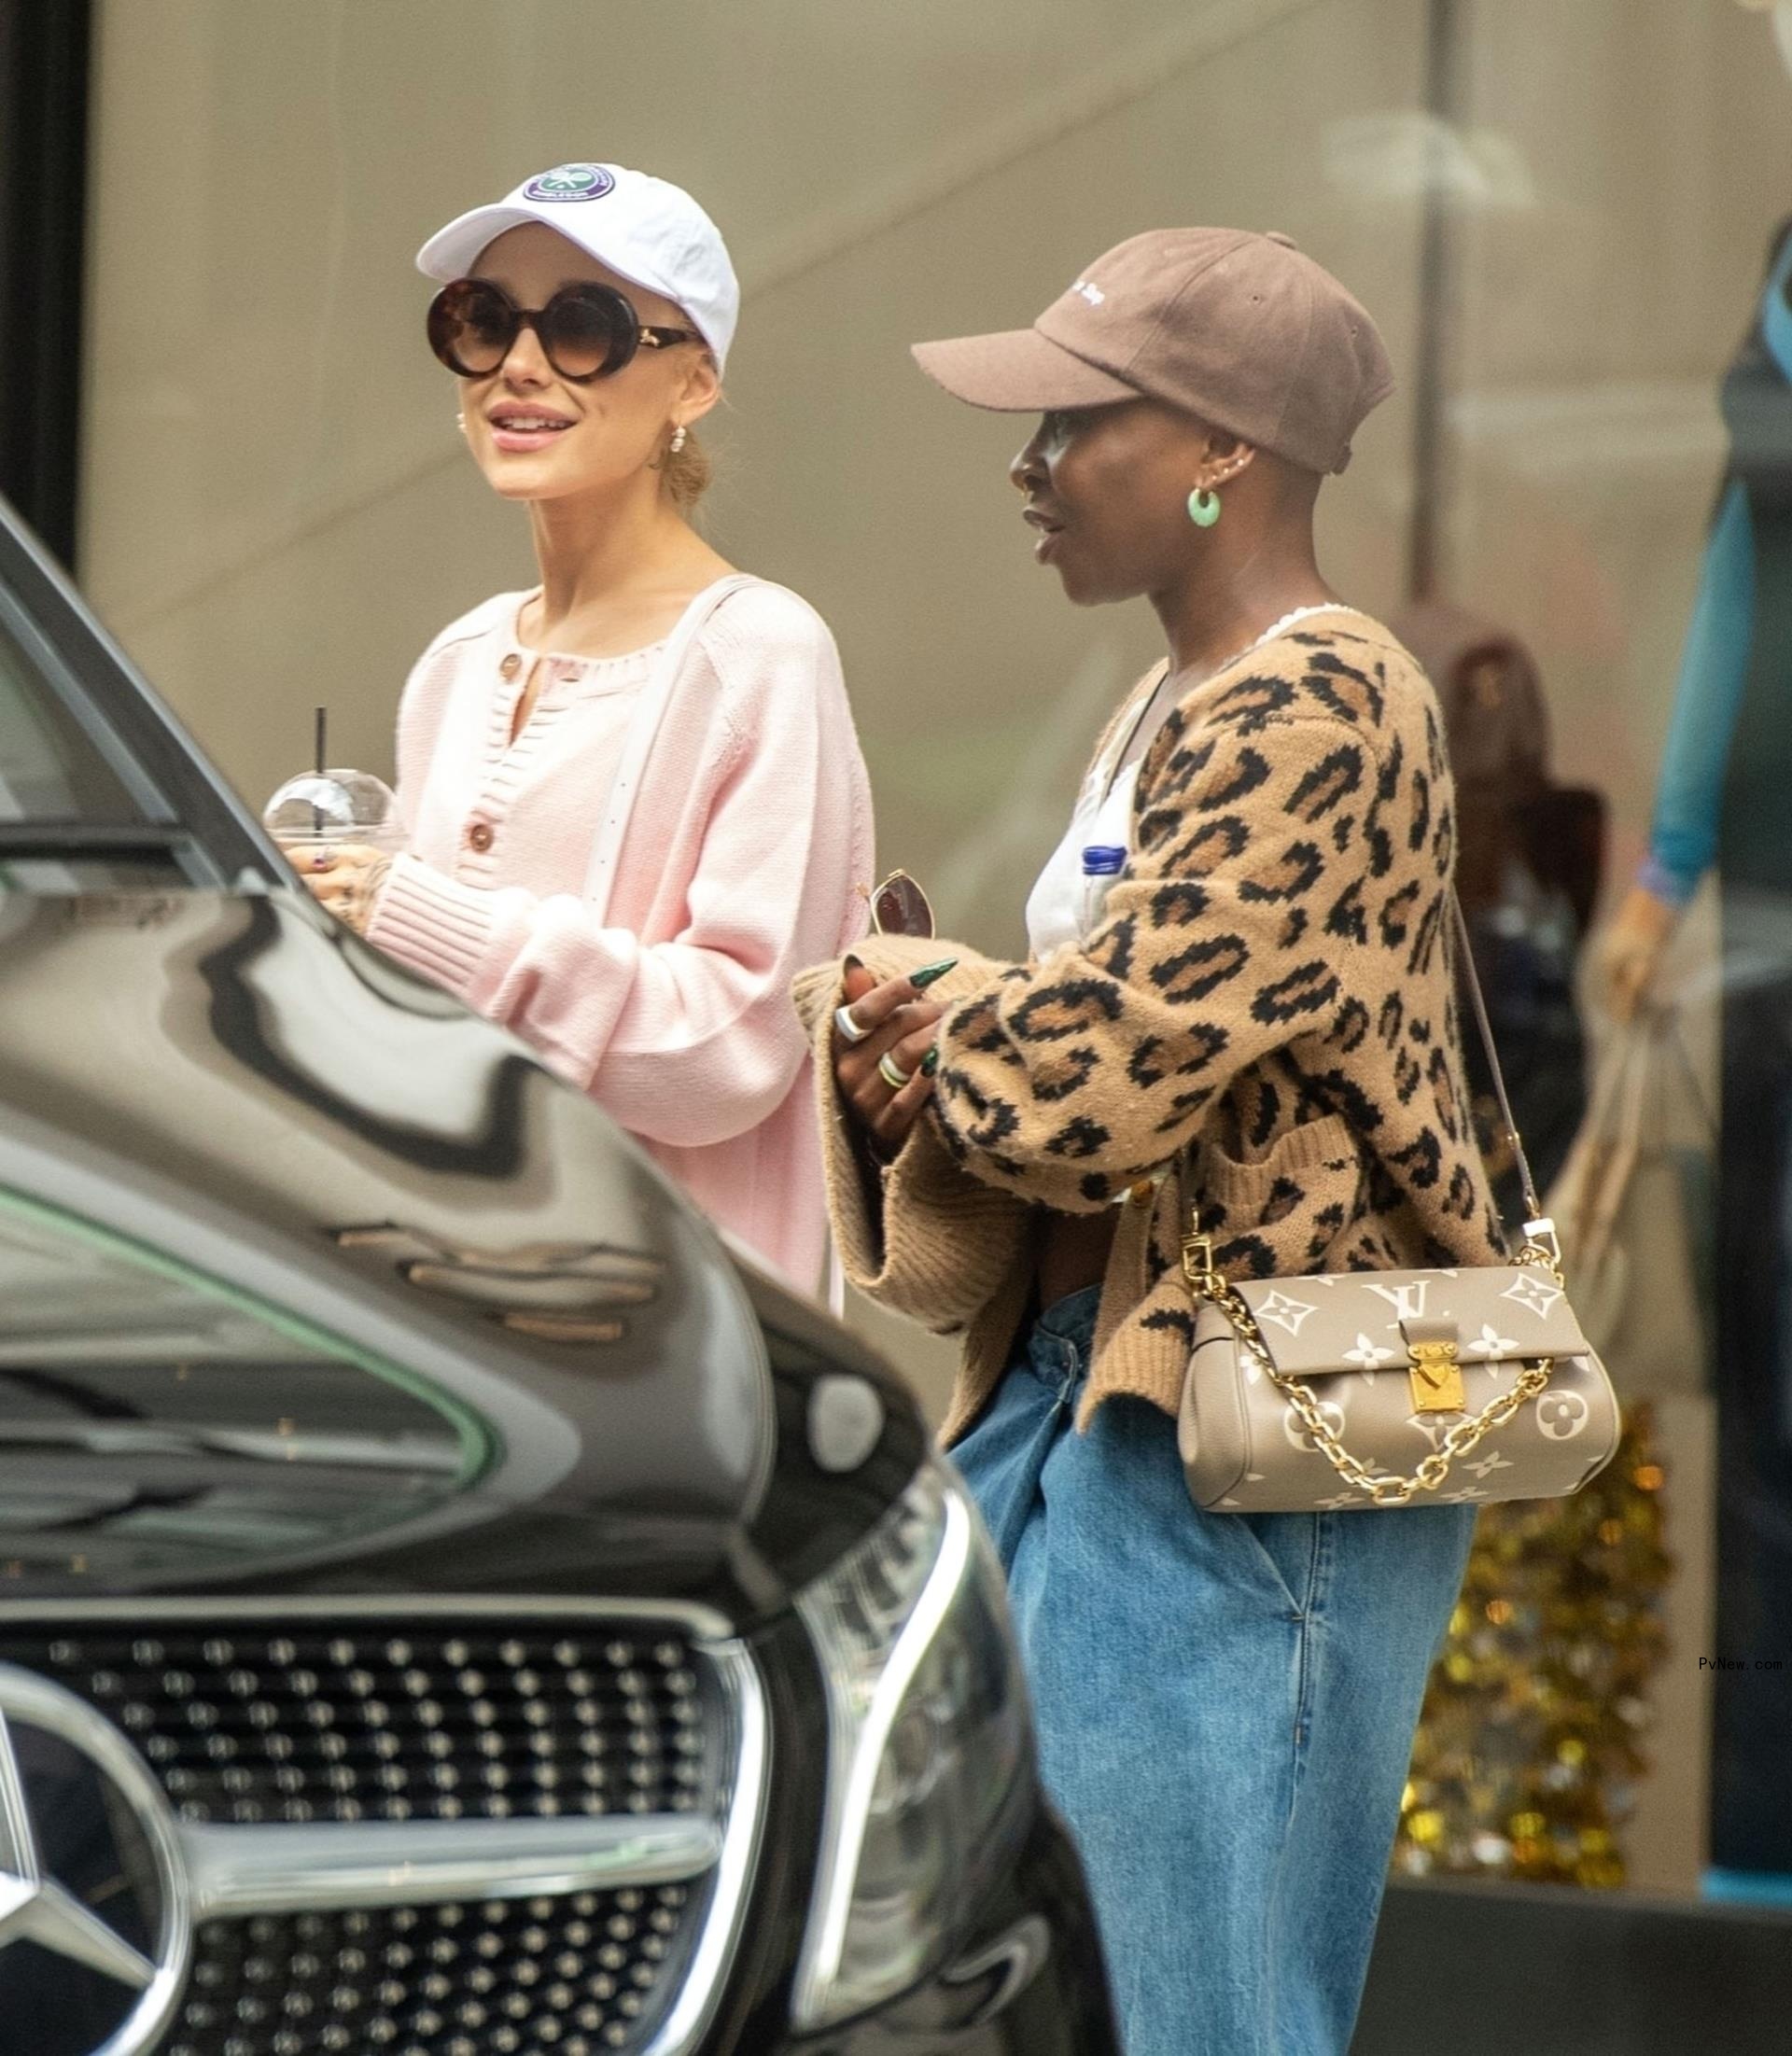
pixel 750 831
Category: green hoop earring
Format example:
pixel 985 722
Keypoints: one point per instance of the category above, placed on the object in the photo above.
pixel 1203 508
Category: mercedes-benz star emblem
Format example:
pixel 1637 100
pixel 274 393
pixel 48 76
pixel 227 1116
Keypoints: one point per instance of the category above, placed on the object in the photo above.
pixel 90 1874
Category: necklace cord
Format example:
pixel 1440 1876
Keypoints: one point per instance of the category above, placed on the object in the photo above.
pixel 1275 628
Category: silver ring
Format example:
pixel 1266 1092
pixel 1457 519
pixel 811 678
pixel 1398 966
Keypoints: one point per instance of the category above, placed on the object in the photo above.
pixel 849 1030
pixel 892 1073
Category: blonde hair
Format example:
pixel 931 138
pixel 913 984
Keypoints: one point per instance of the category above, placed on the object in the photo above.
pixel 686 472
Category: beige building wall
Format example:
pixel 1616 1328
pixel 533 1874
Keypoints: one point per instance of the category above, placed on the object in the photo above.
pixel 278 510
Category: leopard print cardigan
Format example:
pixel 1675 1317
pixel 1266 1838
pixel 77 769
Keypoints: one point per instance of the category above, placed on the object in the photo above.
pixel 1262 1026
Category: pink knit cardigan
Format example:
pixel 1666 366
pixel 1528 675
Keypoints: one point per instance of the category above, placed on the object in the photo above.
pixel 751 829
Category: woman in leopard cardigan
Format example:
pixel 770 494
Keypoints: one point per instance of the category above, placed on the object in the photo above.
pixel 1258 1023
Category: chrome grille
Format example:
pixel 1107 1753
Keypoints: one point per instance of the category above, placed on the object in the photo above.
pixel 395 1721
pixel 580 1976
pixel 546 1912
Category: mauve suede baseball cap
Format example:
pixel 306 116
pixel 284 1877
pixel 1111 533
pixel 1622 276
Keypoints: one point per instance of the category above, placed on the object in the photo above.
pixel 1244 330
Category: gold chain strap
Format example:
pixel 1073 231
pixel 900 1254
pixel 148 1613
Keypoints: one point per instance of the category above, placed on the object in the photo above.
pixel 1386 1489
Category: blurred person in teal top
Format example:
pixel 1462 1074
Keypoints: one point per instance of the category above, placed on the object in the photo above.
pixel 1714 669
pixel 1730 639
pixel 1725 802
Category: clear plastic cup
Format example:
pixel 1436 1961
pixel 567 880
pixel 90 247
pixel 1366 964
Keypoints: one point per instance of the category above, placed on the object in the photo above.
pixel 321 809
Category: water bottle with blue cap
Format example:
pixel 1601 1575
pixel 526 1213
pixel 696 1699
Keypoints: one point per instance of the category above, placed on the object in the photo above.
pixel 1102 863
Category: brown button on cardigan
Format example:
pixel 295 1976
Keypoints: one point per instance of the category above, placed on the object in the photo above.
pixel 1264 1025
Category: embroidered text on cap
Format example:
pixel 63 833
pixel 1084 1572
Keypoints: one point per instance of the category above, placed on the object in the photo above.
pixel 570 182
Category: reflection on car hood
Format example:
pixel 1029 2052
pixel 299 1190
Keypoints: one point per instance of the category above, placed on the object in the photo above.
pixel 238 1085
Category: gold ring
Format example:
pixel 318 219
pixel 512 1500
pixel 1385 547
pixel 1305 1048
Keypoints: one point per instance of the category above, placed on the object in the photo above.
pixel 892 1073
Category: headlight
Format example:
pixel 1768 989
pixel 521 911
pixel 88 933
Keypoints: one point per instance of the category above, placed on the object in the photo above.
pixel 926 1733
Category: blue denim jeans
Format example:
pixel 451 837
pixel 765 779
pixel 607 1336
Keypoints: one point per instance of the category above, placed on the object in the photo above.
pixel 1225 1705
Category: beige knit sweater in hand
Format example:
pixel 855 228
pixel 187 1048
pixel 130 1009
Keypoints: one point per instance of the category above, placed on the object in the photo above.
pixel 1264 1025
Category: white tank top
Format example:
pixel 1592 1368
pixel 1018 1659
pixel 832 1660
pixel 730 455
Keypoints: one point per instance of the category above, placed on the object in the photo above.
pixel 1064 905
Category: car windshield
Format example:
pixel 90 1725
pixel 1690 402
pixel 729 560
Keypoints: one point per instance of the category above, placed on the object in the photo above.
pixel 51 772
pixel 81 810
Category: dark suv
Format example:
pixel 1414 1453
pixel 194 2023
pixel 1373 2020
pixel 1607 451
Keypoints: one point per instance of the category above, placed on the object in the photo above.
pixel 449 1604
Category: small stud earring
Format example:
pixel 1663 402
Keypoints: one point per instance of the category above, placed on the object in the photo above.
pixel 678 439
pixel 1203 507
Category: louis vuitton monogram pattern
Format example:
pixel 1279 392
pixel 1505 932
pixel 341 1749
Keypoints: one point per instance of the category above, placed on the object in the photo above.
pixel 1346 1339
pixel 1264 1020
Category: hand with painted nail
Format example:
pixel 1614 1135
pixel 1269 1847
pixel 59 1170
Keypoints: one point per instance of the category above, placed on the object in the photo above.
pixel 345 878
pixel 886 1051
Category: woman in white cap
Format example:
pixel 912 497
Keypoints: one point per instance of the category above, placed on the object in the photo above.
pixel 634 797
pixel 1238 1007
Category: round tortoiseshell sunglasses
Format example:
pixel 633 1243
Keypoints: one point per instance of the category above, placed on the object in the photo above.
pixel 585 331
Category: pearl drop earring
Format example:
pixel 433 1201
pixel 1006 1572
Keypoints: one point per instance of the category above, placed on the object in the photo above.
pixel 678 439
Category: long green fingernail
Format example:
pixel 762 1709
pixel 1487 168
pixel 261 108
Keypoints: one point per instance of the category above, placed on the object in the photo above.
pixel 931 1062
pixel 925 976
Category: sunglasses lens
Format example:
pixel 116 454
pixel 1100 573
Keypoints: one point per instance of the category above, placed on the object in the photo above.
pixel 472 328
pixel 587 331
pixel 898 907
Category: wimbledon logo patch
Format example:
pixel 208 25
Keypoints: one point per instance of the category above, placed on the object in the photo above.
pixel 570 182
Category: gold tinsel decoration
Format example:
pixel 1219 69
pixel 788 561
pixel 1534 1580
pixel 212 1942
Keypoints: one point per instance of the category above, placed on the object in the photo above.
pixel 1528 1749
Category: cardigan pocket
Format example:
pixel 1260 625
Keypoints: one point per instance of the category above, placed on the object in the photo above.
pixel 1281 1214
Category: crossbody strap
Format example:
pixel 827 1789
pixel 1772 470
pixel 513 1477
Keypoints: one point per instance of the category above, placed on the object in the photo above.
pixel 1382 1488
pixel 1471 978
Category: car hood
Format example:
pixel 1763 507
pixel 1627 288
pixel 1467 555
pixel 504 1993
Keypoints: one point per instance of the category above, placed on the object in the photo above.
pixel 470 1263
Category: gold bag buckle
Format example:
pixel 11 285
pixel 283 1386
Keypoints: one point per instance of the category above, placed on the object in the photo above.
pixel 1198 1265
pixel 1434 1367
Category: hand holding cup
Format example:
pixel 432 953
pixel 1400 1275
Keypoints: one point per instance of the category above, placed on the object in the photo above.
pixel 339 831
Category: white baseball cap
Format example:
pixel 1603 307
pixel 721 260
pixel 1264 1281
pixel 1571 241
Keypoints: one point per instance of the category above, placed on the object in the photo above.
pixel 646 230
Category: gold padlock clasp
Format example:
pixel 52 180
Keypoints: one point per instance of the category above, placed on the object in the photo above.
pixel 1436 1376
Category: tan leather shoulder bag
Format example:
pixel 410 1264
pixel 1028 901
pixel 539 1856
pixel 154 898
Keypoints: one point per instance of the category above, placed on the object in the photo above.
pixel 1394 1388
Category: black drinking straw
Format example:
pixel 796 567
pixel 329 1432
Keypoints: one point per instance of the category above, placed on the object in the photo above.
pixel 316 811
